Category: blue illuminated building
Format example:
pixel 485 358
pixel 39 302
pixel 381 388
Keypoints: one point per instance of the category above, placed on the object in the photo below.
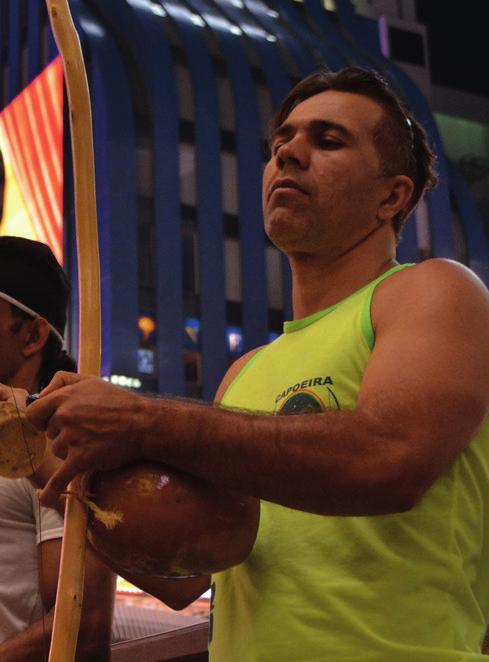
pixel 182 93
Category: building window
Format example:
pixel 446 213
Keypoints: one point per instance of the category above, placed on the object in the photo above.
pixel 226 104
pixel 190 261
pixel 232 259
pixel 187 174
pixel 185 96
pixel 229 169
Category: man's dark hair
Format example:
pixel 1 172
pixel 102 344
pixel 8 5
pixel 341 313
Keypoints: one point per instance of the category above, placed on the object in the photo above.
pixel 35 285
pixel 401 141
pixel 54 357
pixel 32 279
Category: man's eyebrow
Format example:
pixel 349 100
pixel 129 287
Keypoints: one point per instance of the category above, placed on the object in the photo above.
pixel 328 125
pixel 317 126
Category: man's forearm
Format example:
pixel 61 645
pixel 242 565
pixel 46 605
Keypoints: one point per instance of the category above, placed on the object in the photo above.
pixel 378 458
pixel 330 463
pixel 32 644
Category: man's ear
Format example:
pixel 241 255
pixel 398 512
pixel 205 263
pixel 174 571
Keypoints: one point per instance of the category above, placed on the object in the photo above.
pixel 35 336
pixel 400 190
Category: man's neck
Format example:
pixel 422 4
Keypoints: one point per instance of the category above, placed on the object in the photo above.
pixel 319 282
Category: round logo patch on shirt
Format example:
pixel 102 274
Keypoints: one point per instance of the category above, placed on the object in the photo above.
pixel 307 402
pixel 304 402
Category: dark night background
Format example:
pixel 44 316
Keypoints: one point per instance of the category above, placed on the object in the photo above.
pixel 458 32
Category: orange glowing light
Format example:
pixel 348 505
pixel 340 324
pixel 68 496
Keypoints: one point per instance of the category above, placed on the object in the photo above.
pixel 146 325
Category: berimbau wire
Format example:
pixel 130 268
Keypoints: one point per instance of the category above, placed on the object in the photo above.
pixel 41 575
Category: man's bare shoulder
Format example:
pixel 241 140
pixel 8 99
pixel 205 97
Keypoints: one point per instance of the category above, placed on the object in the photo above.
pixel 437 283
pixel 233 371
pixel 442 268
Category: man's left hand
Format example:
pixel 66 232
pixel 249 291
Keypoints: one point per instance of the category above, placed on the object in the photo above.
pixel 16 396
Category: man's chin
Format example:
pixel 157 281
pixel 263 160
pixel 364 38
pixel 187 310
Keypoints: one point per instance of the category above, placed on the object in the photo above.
pixel 288 243
pixel 285 234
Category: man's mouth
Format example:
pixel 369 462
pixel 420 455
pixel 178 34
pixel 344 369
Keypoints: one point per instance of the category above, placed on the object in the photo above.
pixel 284 184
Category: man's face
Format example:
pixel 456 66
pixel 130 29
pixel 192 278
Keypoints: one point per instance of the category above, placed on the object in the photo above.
pixel 323 186
pixel 10 354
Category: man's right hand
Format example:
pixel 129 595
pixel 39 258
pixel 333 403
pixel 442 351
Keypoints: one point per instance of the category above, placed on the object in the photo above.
pixel 93 426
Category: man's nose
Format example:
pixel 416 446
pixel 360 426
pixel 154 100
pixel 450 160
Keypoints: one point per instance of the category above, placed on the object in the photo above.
pixel 293 152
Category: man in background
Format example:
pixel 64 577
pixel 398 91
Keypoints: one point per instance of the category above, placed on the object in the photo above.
pixel 34 295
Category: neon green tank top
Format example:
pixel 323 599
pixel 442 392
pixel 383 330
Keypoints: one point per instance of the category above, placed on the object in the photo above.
pixel 409 587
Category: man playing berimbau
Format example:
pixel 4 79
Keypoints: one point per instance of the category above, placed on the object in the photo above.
pixel 372 544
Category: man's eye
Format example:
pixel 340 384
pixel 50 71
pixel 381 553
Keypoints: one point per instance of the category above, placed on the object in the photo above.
pixel 330 143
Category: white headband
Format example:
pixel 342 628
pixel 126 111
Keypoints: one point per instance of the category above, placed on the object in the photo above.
pixel 29 311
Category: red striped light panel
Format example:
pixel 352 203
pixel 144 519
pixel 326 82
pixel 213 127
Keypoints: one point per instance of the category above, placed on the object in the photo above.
pixel 31 140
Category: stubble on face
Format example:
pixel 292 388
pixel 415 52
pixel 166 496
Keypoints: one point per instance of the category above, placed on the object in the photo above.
pixel 288 222
pixel 338 181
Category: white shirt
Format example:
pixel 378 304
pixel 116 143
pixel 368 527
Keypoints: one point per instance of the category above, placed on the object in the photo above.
pixel 21 522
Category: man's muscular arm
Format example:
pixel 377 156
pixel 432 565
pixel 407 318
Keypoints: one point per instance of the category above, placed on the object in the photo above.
pixel 424 395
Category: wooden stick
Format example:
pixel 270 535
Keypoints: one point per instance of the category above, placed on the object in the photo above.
pixel 70 584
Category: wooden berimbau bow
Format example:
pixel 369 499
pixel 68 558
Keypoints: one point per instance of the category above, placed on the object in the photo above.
pixel 216 512
pixel 70 585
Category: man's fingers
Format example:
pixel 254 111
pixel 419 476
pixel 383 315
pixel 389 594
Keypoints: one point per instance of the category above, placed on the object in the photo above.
pixel 59 481
pixel 16 396
pixel 61 379
pixel 5 392
pixel 59 448
pixel 40 411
